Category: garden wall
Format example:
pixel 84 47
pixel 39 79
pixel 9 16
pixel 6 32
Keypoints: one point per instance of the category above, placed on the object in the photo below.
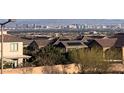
pixel 58 69
pixel 69 69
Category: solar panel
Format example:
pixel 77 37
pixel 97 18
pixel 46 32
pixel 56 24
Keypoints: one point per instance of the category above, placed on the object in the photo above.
pixel 74 43
pixel 63 39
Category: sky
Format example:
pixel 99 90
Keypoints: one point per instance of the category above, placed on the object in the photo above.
pixel 69 21
pixel 64 21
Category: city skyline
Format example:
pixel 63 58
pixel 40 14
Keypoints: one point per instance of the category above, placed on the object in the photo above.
pixel 67 21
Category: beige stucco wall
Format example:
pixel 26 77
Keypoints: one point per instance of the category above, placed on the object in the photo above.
pixel 9 55
pixel 56 69
pixel 6 50
pixel 4 32
pixel 76 47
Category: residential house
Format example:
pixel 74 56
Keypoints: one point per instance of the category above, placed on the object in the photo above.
pixel 109 46
pixel 120 44
pixel 12 50
pixel 69 45
pixel 60 39
pixel 28 40
pixel 26 43
pixel 104 43
pixel 37 44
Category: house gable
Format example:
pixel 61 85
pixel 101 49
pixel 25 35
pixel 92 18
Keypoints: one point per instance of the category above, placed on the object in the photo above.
pixel 33 46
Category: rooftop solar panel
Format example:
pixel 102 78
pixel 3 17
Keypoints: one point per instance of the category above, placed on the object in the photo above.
pixel 74 43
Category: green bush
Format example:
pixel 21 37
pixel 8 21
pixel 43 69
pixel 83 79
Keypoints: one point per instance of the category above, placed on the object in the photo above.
pixel 49 55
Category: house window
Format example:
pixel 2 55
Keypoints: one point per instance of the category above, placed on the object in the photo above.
pixel 14 47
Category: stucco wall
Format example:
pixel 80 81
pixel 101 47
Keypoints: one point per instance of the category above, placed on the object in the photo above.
pixel 116 68
pixel 58 69
pixel 6 50
pixel 69 69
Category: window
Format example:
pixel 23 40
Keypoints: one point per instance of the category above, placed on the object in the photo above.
pixel 14 47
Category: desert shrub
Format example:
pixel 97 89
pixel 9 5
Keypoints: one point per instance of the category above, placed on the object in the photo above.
pixel 90 60
pixel 113 54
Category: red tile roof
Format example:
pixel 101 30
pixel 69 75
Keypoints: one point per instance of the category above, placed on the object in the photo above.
pixel 11 38
pixel 107 42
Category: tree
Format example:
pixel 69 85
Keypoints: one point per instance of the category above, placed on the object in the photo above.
pixel 49 55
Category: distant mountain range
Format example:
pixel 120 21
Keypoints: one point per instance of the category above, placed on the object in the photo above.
pixel 67 21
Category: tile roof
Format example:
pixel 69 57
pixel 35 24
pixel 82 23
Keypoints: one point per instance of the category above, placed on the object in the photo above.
pixel 60 39
pixel 41 43
pixel 10 38
pixel 73 43
pixel 107 42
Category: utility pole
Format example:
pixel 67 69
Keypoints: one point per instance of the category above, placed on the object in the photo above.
pixel 2 40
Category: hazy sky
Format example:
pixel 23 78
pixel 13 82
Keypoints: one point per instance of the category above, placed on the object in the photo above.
pixel 70 21
pixel 65 21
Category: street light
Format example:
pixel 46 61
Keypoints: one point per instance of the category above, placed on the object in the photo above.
pixel 1 27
